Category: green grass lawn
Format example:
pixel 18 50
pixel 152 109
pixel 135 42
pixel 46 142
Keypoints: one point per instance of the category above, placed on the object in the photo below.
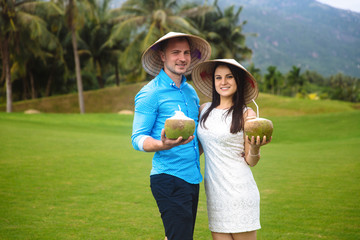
pixel 71 176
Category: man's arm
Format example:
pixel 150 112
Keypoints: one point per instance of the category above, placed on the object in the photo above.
pixel 141 136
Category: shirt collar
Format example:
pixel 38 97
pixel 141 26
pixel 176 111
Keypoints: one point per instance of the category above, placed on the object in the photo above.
pixel 167 80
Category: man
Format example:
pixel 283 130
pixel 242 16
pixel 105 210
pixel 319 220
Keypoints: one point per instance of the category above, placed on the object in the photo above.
pixel 175 173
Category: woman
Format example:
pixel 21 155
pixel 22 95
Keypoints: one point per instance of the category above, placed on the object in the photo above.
pixel 233 199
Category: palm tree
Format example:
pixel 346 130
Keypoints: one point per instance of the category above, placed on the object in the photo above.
pixel 295 80
pixel 273 80
pixel 20 20
pixel 75 20
pixel 94 35
pixel 232 43
pixel 256 72
pixel 75 12
pixel 344 88
pixel 141 22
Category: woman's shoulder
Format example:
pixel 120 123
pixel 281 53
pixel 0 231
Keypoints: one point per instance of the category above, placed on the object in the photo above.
pixel 204 106
pixel 249 112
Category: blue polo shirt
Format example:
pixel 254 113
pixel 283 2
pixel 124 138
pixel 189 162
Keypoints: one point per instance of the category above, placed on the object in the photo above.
pixel 154 103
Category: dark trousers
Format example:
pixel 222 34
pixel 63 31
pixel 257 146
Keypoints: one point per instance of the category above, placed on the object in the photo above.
pixel 177 201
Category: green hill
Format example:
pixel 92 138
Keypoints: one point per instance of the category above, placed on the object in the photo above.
pixel 115 99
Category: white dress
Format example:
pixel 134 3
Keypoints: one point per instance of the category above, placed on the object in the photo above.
pixel 233 199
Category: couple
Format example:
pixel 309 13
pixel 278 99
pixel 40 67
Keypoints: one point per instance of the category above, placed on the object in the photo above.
pixel 232 195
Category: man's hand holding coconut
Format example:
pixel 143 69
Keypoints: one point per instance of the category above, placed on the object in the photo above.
pixel 178 130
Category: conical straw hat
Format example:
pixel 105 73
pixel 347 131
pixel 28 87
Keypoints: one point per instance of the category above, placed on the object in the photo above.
pixel 200 51
pixel 202 76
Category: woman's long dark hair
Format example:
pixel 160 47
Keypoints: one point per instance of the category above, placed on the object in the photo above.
pixel 237 109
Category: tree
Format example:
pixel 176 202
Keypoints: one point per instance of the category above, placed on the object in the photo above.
pixel 344 88
pixel 140 23
pixel 273 80
pixel 20 20
pixel 95 33
pixel 75 12
pixel 295 80
pixel 256 72
pixel 74 20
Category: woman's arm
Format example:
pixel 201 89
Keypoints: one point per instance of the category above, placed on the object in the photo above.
pixel 252 146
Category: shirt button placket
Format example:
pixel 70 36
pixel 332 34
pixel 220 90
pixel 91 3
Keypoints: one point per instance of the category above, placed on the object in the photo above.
pixel 185 102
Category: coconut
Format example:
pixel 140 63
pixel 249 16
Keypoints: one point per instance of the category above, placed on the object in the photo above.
pixel 179 125
pixel 256 126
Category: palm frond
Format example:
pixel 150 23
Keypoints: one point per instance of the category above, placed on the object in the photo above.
pixel 151 36
pixel 182 25
pixel 123 30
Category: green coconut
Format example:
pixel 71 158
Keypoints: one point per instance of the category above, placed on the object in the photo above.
pixel 179 125
pixel 256 126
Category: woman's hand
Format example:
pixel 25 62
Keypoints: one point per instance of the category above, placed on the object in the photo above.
pixel 252 149
pixel 257 143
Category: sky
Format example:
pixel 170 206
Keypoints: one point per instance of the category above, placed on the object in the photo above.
pixel 353 5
